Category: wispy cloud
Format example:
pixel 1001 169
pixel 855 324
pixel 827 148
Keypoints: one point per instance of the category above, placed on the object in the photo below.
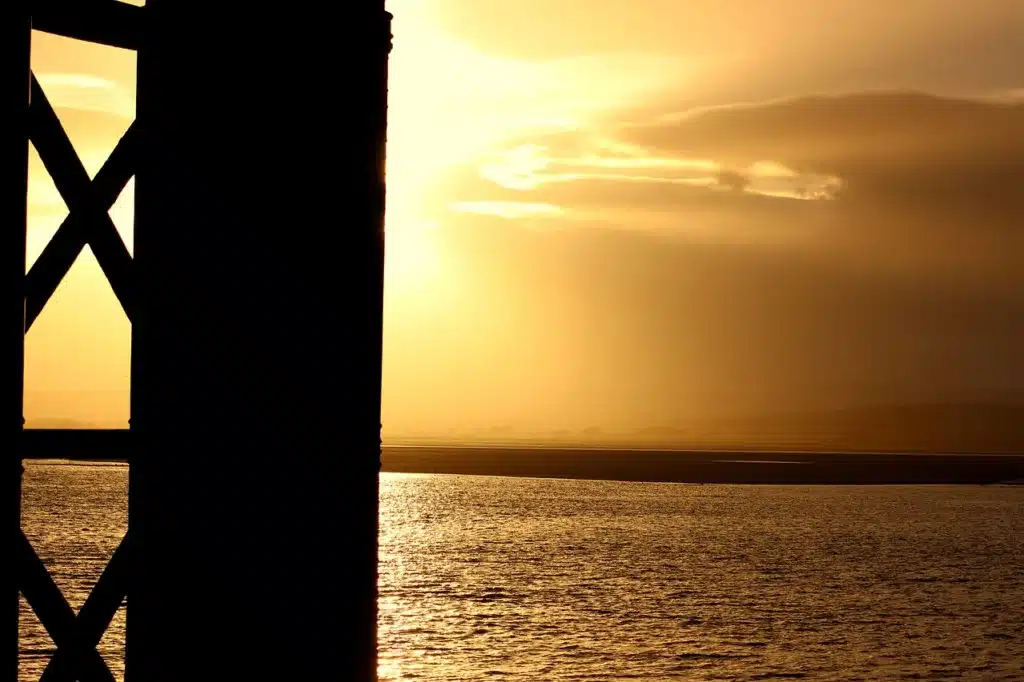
pixel 905 184
pixel 527 167
pixel 508 209
pixel 87 92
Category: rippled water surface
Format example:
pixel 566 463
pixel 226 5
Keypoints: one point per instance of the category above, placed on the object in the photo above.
pixel 584 580
pixel 527 579
pixel 74 515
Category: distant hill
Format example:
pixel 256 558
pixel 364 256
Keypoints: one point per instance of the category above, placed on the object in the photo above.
pixel 58 423
pixel 941 428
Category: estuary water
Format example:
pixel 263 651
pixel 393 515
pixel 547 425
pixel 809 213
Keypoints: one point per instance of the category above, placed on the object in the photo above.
pixel 541 579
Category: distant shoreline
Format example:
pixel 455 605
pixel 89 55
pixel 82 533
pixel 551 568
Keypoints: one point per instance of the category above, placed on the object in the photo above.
pixel 723 450
pixel 748 467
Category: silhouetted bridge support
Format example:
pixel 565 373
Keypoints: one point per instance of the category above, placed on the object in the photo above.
pixel 255 295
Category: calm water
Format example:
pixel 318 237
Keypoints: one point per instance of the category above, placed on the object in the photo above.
pixel 527 579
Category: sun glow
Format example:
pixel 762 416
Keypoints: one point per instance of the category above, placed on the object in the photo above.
pixel 413 256
pixel 432 126
pixel 447 103
pixel 451 104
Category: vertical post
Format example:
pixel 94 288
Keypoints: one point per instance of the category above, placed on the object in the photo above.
pixel 256 343
pixel 15 36
pixel 365 239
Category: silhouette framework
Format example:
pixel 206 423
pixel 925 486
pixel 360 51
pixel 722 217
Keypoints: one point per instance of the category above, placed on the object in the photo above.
pixel 255 295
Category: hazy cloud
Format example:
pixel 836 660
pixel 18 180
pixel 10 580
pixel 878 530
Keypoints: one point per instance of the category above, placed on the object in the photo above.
pixel 842 134
pixel 856 138
pixel 754 49
pixel 919 186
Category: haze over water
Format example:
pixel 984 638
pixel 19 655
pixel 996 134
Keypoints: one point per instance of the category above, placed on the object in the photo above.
pixel 539 579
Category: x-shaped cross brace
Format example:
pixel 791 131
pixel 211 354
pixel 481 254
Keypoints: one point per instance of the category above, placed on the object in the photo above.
pixel 76 637
pixel 88 201
pixel 88 222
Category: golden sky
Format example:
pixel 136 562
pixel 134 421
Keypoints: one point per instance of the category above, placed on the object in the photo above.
pixel 633 214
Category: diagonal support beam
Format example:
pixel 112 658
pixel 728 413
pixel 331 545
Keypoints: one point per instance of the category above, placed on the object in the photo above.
pixel 69 240
pixel 92 621
pixel 56 616
pixel 107 22
pixel 82 198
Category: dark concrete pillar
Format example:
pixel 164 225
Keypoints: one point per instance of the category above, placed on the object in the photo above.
pixel 15 32
pixel 256 346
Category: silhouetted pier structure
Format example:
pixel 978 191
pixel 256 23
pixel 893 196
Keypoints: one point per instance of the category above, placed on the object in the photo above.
pixel 255 295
